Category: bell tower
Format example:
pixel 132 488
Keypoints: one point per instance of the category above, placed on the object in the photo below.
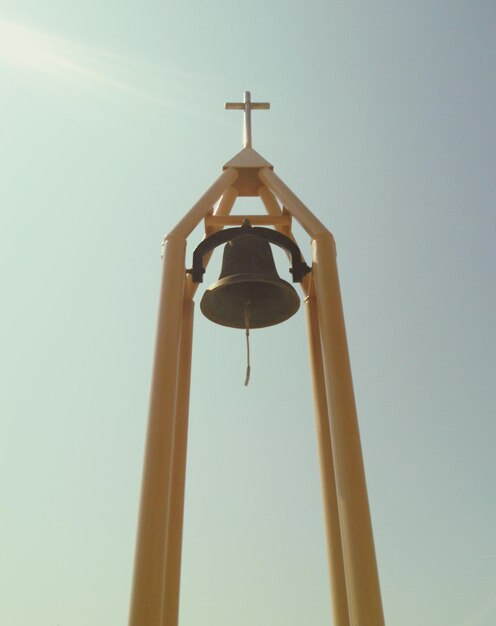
pixel 250 294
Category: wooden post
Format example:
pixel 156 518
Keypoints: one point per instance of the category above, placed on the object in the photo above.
pixel 176 507
pixel 362 580
pixel 330 500
pixel 149 568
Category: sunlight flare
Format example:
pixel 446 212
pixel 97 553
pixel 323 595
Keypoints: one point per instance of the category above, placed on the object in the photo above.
pixel 65 60
pixel 19 45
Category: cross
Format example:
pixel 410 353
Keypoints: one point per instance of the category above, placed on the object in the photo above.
pixel 247 107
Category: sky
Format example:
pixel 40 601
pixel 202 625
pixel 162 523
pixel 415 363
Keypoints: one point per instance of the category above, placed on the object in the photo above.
pixel 112 126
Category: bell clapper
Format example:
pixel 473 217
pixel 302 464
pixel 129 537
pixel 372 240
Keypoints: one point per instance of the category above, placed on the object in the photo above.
pixel 247 326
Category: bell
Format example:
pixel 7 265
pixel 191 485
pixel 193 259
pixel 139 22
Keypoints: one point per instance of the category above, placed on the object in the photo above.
pixel 249 292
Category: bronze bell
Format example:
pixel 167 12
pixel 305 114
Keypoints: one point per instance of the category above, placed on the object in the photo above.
pixel 249 291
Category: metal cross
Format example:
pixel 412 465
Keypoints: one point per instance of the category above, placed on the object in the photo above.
pixel 247 107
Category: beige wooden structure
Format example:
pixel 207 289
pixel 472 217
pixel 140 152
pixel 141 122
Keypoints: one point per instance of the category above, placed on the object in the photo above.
pixel 354 582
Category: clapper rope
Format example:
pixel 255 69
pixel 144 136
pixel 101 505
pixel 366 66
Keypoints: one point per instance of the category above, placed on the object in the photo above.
pixel 247 326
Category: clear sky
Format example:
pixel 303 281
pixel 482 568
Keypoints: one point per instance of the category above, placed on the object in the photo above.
pixel 112 126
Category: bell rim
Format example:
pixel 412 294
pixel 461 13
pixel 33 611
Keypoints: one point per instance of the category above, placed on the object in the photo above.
pixel 247 278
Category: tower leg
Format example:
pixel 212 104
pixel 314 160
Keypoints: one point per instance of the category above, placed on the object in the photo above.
pixel 362 580
pixel 176 506
pixel 331 513
pixel 149 567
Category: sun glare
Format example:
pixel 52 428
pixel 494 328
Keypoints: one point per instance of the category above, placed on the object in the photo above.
pixel 59 57
pixel 19 45
pixel 63 59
